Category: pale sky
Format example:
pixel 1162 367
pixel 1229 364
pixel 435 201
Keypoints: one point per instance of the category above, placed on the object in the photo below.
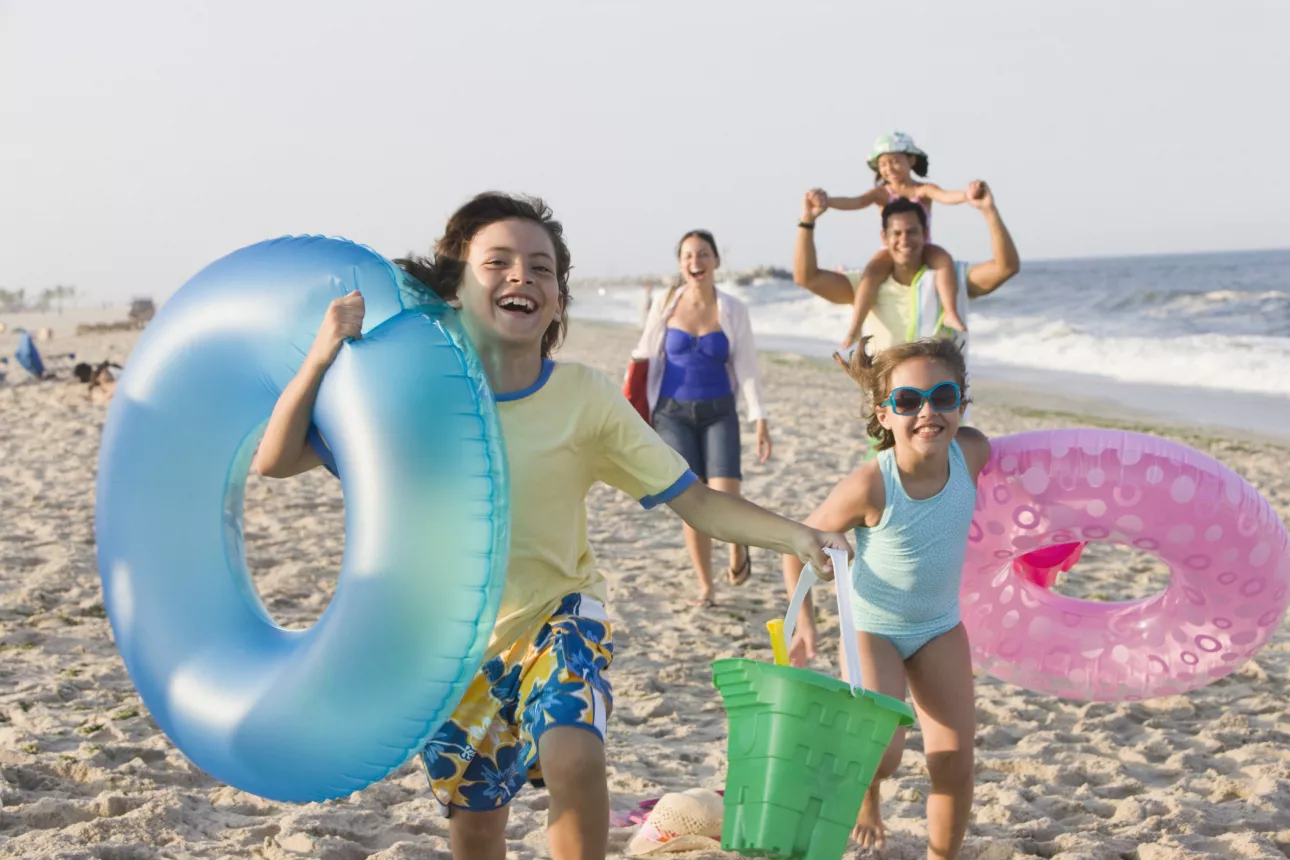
pixel 140 141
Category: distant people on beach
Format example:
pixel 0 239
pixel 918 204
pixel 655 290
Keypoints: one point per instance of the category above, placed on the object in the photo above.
pixel 100 379
pixel 39 366
pixel 905 306
pixel 699 344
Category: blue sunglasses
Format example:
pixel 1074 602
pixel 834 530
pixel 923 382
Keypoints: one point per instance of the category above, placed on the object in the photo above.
pixel 945 397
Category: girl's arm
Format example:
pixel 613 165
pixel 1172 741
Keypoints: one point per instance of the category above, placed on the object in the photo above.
pixel 733 519
pixel 976 449
pixel 850 204
pixel 857 501
pixel 934 192
pixel 284 451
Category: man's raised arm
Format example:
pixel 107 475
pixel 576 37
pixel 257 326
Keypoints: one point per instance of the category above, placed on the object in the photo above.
pixel 985 278
pixel 832 286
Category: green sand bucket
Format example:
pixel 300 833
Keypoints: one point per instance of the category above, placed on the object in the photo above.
pixel 802 748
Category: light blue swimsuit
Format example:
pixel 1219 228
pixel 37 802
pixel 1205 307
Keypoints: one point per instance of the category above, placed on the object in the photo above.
pixel 908 568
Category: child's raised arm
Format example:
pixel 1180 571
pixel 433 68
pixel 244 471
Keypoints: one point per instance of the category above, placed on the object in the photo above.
pixel 976 449
pixel 938 194
pixel 284 451
pixel 872 197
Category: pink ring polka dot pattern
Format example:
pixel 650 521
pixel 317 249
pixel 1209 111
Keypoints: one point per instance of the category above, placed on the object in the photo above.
pixel 1228 555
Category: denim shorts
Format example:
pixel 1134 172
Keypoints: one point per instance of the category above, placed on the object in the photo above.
pixel 704 432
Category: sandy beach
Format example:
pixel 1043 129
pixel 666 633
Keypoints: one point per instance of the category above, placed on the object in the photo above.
pixel 85 773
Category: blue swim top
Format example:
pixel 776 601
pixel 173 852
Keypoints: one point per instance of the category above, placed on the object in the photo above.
pixel 908 568
pixel 696 366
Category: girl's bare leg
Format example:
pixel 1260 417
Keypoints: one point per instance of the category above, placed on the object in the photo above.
pixel 947 285
pixel 878 271
pixel 940 677
pixel 883 672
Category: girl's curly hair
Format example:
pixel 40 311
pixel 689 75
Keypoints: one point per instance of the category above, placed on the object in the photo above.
pixel 873 372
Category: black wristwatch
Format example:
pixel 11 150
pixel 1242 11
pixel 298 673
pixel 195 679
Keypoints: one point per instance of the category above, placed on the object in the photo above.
pixel 806 225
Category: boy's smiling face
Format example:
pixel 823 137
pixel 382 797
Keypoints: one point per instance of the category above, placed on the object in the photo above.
pixel 509 292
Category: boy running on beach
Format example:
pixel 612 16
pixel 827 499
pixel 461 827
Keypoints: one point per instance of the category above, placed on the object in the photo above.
pixel 537 709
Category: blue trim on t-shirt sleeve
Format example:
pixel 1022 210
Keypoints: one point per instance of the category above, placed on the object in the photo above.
pixel 678 487
pixel 547 366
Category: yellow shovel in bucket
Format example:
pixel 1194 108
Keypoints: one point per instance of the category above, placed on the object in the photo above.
pixel 803 747
pixel 781 631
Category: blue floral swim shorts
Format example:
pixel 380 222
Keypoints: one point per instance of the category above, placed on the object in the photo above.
pixel 488 748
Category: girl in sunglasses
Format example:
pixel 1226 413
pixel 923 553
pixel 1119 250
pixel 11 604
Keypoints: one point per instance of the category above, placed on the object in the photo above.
pixel 911 508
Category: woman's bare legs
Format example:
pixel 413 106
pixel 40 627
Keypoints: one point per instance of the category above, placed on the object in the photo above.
pixel 700 547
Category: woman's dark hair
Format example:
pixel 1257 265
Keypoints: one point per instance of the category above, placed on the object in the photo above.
pixel 705 236
pixel 874 375
pixel 919 168
pixel 442 273
pixel 904 204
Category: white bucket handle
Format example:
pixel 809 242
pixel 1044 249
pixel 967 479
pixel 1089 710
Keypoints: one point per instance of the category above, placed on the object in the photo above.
pixel 842 585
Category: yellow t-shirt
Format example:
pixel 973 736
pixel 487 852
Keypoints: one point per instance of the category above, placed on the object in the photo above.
pixel 889 320
pixel 572 428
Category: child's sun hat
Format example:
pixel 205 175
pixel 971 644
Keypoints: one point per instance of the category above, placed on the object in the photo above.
pixel 685 821
pixel 897 141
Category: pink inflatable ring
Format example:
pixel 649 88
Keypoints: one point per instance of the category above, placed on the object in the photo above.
pixel 1227 551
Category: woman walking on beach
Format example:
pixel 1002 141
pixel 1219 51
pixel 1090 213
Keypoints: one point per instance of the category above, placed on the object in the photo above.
pixel 699 344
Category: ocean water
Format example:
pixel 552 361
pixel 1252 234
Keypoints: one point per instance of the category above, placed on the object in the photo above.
pixel 1204 337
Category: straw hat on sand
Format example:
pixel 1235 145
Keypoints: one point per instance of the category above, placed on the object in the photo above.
pixel 688 821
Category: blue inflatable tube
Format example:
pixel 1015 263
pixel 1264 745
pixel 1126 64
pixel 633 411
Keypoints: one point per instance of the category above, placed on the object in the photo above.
pixel 299 715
